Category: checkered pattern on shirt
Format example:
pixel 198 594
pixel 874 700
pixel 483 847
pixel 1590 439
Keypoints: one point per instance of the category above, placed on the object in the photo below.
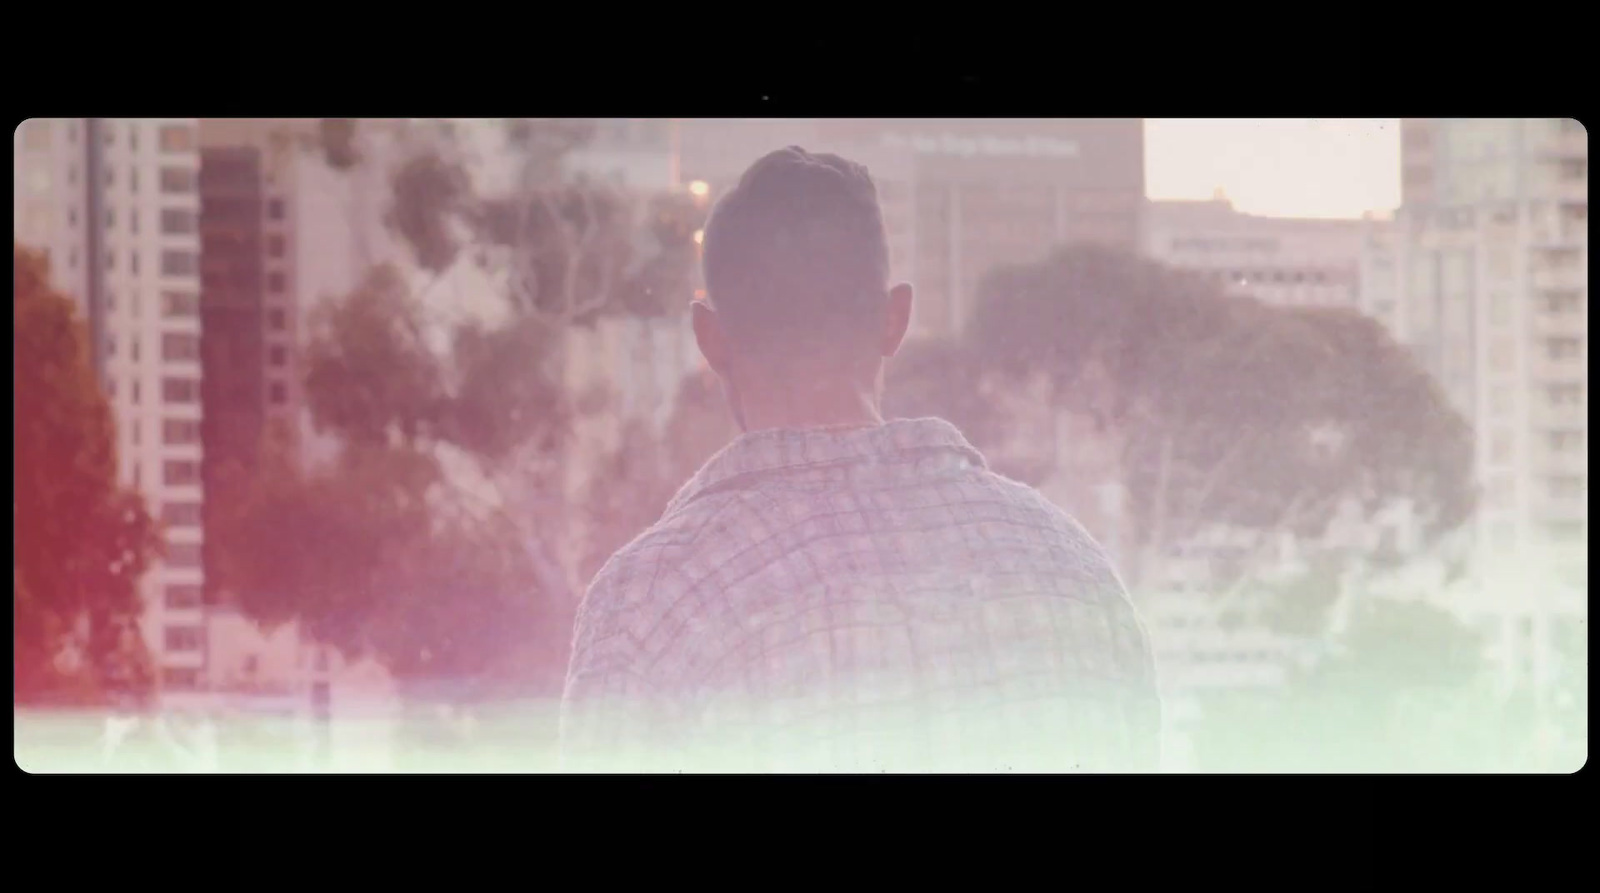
pixel 859 600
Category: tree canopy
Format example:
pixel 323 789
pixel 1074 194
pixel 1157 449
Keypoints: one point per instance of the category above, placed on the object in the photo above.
pixel 81 540
pixel 436 539
pixel 1226 412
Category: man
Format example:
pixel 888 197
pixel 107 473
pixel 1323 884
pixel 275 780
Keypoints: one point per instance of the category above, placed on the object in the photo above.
pixel 834 592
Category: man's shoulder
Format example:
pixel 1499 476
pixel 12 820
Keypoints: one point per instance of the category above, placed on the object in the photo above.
pixel 657 560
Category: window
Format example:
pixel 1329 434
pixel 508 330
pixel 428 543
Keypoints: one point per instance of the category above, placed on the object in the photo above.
pixel 110 132
pixel 72 217
pixel 180 431
pixel 180 678
pixel 135 395
pixel 1566 394
pixel 183 638
pixel 181 514
pixel 1563 348
pixel 1500 446
pixel 277 393
pixel 133 179
pixel 1568 487
pixel 275 246
pixel 177 138
pixel 184 555
pixel 179 596
pixel 178 263
pixel 180 472
pixel 177 180
pixel 275 283
pixel 177 221
pixel 111 175
pixel 275 209
pixel 1566 441
pixel 278 355
pixel 1500 400
pixel 1563 302
pixel 133 220
pixel 111 217
pixel 1502 355
pixel 133 430
pixel 72 175
pixel 179 390
pixel 1499 308
pixel 179 346
pixel 133 261
pixel 111 259
pixel 133 137
pixel 277 319
pixel 178 304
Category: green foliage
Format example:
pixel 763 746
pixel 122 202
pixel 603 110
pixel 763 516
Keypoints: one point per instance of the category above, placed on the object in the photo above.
pixel 1402 690
pixel 445 577
pixel 1227 412
pixel 81 542
pixel 370 375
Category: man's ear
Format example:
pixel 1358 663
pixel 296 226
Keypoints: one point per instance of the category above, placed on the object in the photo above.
pixel 709 335
pixel 898 319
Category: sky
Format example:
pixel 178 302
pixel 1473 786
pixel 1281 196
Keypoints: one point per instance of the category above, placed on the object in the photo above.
pixel 1287 167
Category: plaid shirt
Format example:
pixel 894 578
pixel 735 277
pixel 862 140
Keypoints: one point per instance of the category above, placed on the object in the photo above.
pixel 859 599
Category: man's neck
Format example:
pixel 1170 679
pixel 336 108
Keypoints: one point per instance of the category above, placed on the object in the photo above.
pixel 820 407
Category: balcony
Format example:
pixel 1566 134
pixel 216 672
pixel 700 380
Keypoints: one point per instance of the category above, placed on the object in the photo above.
pixel 1547 369
pixel 1562 462
pixel 1564 277
pixel 1566 233
pixel 1559 314
pixel 1565 511
pixel 1547 416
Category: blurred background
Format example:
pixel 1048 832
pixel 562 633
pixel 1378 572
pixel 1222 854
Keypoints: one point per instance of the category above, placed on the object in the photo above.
pixel 323 425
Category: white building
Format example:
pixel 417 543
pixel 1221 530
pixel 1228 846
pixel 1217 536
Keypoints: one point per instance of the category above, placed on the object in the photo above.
pixel 114 203
pixel 1280 260
pixel 1486 278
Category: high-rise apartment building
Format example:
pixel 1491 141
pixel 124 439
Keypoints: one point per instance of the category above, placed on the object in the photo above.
pixel 115 205
pixel 1485 277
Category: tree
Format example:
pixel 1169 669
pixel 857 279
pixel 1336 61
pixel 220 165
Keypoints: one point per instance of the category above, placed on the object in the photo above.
pixel 631 489
pixel 436 540
pixel 1229 416
pixel 945 378
pixel 82 542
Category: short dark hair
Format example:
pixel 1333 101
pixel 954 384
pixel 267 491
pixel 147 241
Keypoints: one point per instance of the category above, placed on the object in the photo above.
pixel 796 259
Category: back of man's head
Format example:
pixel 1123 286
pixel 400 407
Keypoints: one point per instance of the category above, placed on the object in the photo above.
pixel 797 262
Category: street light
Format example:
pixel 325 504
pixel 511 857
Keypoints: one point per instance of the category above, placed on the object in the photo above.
pixel 700 189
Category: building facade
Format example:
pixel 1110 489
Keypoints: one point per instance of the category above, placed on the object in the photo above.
pixel 115 205
pixel 1283 261
pixel 1486 278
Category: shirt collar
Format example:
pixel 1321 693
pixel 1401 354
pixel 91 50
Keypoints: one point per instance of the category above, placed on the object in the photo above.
pixel 779 449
